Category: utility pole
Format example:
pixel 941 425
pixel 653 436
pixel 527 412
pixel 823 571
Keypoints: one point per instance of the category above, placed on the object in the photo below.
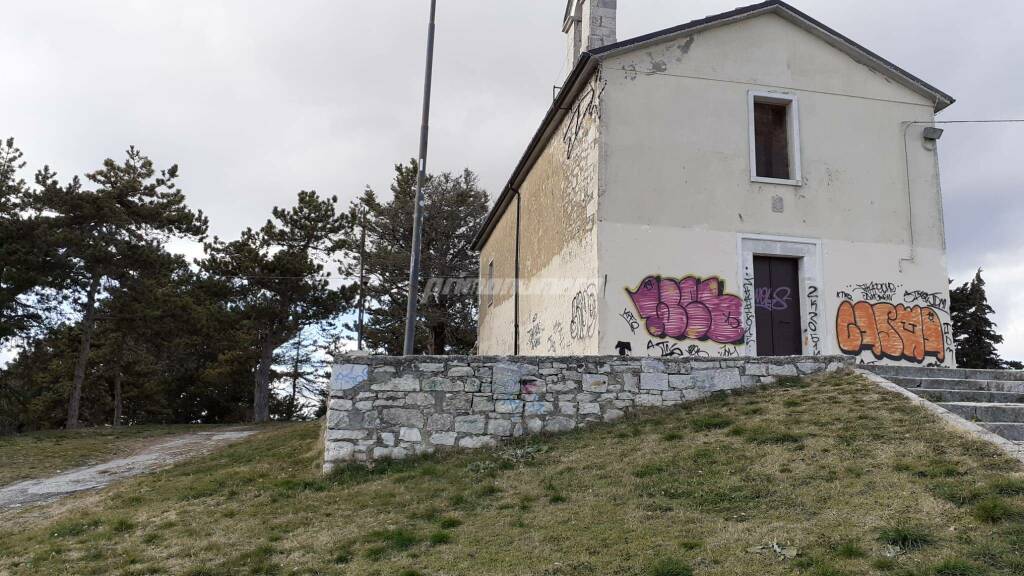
pixel 417 224
pixel 362 276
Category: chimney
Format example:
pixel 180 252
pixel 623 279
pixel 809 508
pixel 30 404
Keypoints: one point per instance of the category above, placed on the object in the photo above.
pixel 588 24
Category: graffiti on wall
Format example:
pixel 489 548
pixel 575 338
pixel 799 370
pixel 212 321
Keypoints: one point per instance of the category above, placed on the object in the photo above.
pixel 892 332
pixel 813 338
pixel 689 309
pixel 584 313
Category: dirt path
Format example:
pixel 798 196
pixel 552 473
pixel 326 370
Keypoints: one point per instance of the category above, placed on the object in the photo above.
pixel 154 457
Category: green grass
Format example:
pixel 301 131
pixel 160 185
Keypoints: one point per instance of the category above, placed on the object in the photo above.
pixel 40 454
pixel 855 479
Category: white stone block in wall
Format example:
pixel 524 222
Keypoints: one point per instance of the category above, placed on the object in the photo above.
pixel 568 408
pixel 499 427
pixel 756 369
pixel 534 425
pixel 483 404
pixel 595 383
pixel 508 406
pixel 535 408
pixel 348 376
pixel 337 451
pixel 782 370
pixel 387 438
pixel 420 399
pixel 430 367
pixel 333 435
pixel 475 424
pixel 648 400
pixel 652 365
pixel 506 378
pixel 461 372
pixel 438 383
pixel 477 441
pixel 590 408
pixel 407 383
pixel 653 381
pixel 559 424
pixel 410 435
pixel 440 422
pixel 403 417
pixel 443 438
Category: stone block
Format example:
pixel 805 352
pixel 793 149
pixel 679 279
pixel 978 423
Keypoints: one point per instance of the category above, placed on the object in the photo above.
pixel 457 402
pixel 537 408
pixel 506 378
pixel 612 415
pixel 756 369
pixel 410 435
pixel 333 435
pixel 439 384
pixel 387 438
pixel 430 367
pixel 477 441
pixel 559 424
pixel 569 408
pixel 341 404
pixel 653 381
pixel 483 404
pixel 595 383
pixel 407 383
pixel 440 422
pixel 475 424
pixel 348 376
pixel 589 408
pixel 403 417
pixel 681 381
pixel 810 367
pixel 499 427
pixel 782 370
pixel 651 365
pixel 461 372
pixel 534 425
pixel 443 438
pixel 420 399
pixel 508 406
pixel 338 451
pixel 648 400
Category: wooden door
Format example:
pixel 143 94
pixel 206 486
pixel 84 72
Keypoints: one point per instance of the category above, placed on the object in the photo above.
pixel 777 306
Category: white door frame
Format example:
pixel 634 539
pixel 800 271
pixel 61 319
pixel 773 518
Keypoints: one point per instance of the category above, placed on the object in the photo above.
pixel 812 313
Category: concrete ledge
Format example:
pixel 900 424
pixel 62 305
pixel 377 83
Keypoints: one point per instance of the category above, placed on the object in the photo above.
pixel 395 407
pixel 955 422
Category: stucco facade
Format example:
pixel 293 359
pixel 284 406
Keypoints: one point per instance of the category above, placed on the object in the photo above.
pixel 651 187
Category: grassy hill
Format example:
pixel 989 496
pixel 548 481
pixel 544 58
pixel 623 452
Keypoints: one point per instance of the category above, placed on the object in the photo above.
pixel 825 476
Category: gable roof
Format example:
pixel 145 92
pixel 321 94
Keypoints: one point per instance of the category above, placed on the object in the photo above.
pixel 588 61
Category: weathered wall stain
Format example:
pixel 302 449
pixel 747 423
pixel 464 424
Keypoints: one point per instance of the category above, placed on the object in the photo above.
pixel 893 332
pixel 689 309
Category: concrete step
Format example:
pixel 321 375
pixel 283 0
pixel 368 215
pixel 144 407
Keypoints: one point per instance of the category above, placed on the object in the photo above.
pixel 1010 430
pixel 947 373
pixel 943 395
pixel 953 384
pixel 986 412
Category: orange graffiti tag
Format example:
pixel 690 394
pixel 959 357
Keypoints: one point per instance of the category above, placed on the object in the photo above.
pixel 888 331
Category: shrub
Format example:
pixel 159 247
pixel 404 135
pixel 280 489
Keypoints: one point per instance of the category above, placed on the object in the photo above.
pixel 906 535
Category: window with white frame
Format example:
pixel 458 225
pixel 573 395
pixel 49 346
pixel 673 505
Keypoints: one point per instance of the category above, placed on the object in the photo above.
pixel 774 120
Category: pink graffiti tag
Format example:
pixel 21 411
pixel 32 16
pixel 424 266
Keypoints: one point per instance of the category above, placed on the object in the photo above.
pixel 689 309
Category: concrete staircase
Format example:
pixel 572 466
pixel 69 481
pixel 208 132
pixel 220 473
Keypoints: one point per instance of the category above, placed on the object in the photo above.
pixel 994 399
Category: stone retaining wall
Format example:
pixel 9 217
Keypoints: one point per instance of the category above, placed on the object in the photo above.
pixel 393 407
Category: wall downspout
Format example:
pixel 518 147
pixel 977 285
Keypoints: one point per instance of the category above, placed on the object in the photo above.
pixel 910 198
pixel 515 336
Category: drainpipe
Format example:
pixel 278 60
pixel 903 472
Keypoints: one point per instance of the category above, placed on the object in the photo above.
pixel 910 199
pixel 515 336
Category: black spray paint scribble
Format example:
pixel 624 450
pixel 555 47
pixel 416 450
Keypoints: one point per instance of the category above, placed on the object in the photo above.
pixel 535 333
pixel 813 312
pixel 587 105
pixel 630 320
pixel 584 313
pixel 930 299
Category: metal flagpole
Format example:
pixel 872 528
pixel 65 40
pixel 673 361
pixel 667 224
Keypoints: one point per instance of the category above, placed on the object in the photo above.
pixel 417 224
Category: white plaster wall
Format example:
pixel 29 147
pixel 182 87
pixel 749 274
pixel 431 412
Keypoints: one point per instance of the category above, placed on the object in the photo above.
pixel 676 193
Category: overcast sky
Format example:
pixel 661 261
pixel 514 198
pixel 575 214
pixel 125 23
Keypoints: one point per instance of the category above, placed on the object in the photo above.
pixel 256 100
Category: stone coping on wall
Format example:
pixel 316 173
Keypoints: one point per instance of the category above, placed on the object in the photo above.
pixel 394 407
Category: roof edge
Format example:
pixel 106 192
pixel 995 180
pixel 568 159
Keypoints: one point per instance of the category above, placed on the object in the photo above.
pixel 856 51
pixel 579 75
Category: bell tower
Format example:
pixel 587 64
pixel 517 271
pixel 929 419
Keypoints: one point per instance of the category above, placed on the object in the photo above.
pixel 588 24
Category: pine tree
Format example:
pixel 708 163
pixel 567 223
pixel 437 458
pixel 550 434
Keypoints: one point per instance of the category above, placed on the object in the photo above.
pixel 454 209
pixel 279 283
pixel 104 232
pixel 973 331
